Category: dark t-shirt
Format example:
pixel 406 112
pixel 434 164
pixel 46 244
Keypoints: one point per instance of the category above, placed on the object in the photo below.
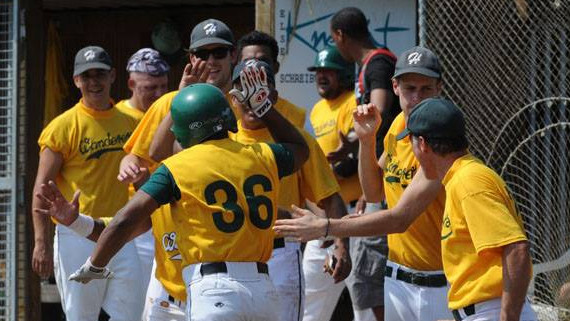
pixel 378 74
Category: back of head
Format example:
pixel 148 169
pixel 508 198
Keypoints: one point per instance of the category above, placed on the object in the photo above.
pixel 258 38
pixel 148 61
pixel 352 22
pixel 199 112
pixel 330 58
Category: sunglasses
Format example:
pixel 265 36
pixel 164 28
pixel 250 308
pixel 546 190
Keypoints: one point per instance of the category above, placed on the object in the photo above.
pixel 218 53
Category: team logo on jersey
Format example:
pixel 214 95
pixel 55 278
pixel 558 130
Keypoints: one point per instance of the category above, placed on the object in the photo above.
pixel 393 173
pixel 95 148
pixel 446 227
pixel 89 55
pixel 210 28
pixel 169 245
pixel 414 58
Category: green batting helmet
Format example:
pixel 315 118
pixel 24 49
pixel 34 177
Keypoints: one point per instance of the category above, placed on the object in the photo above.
pixel 198 112
pixel 330 58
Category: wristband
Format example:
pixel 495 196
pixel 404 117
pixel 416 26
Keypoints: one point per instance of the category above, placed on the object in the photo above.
pixel 83 225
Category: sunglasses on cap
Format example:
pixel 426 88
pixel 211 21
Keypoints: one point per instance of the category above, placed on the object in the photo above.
pixel 218 53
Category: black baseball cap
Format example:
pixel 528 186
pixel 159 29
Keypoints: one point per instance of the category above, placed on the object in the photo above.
pixel 209 32
pixel 418 60
pixel 435 118
pixel 254 63
pixel 91 57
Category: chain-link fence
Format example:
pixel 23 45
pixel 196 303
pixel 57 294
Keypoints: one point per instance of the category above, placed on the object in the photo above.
pixel 8 85
pixel 502 61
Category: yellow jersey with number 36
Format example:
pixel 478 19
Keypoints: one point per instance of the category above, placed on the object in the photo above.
pixel 228 201
pixel 480 217
pixel 314 181
pixel 418 247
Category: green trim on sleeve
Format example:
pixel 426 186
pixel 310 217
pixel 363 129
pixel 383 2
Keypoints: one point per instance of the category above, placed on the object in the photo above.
pixel 161 186
pixel 284 159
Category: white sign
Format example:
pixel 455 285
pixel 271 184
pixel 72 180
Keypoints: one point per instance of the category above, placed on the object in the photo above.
pixel 392 24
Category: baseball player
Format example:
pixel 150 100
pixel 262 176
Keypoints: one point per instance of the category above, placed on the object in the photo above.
pixel 262 46
pixel 349 30
pixel 331 119
pixel 483 244
pixel 223 213
pixel 315 182
pixel 484 247
pixel 81 149
pixel 415 286
pixel 148 80
pixel 166 294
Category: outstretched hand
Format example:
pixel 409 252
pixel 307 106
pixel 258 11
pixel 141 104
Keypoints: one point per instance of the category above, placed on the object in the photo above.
pixel 196 73
pixel 304 226
pixel 130 172
pixel 367 120
pixel 57 206
pixel 347 144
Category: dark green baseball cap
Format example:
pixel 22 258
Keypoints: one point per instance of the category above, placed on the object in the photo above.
pixel 435 118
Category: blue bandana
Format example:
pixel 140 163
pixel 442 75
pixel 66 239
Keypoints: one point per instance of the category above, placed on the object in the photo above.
pixel 148 61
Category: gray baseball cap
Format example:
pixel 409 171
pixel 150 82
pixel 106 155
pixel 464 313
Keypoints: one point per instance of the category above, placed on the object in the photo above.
pixel 418 60
pixel 253 62
pixel 91 57
pixel 209 32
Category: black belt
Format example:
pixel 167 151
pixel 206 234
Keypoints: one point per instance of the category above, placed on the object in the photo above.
pixel 420 279
pixel 468 310
pixel 220 267
pixel 278 243
pixel 175 301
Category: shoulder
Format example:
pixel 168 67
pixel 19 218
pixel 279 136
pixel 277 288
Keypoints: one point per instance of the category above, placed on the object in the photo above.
pixel 292 112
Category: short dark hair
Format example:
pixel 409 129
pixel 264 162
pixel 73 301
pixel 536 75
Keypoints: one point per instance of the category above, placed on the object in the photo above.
pixel 352 22
pixel 258 38
pixel 445 146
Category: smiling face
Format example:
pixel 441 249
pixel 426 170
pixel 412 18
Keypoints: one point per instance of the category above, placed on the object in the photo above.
pixel 220 67
pixel 95 87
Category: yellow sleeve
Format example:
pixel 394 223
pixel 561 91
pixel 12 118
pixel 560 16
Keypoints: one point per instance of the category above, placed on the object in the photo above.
pixel 141 138
pixel 56 136
pixel 106 220
pixel 490 222
pixel 345 121
pixel 316 178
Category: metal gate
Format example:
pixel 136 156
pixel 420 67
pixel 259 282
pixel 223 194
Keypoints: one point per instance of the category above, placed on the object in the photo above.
pixel 506 64
pixel 8 160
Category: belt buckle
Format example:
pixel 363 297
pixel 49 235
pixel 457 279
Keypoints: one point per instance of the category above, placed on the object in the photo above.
pixel 414 279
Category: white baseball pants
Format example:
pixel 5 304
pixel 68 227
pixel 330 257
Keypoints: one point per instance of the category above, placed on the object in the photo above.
pixel 121 297
pixel 160 305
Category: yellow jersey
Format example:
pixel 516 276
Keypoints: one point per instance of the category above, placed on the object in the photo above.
pixel 126 107
pixel 90 142
pixel 480 217
pixel 314 181
pixel 222 212
pixel 167 256
pixel 419 247
pixel 328 118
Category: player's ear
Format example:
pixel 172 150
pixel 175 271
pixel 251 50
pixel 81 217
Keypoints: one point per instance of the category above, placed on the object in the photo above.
pixel 77 81
pixel 131 83
pixel 276 66
pixel 395 86
pixel 113 75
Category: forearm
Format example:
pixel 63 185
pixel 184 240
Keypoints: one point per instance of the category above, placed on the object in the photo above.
pixel 163 140
pixel 285 133
pixel 516 278
pixel 371 224
pixel 42 225
pixel 369 173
